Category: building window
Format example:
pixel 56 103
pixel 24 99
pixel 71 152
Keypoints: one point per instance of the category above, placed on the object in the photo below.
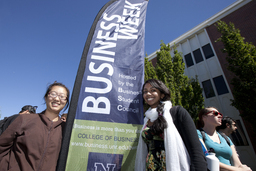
pixel 188 59
pixel 220 85
pixel 198 56
pixel 208 90
pixel 207 49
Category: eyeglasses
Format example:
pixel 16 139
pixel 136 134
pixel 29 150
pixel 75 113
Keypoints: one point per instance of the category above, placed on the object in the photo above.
pixel 53 94
pixel 215 113
pixel 233 124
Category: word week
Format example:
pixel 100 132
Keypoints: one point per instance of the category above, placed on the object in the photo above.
pixel 112 28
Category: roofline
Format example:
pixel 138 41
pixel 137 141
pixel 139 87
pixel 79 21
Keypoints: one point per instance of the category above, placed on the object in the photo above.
pixel 223 13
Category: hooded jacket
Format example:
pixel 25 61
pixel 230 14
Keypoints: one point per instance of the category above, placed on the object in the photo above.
pixel 32 142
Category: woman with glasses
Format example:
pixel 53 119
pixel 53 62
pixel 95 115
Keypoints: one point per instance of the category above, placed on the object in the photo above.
pixel 33 142
pixel 209 119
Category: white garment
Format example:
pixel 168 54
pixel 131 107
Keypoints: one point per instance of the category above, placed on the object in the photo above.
pixel 177 157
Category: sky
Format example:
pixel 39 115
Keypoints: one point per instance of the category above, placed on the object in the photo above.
pixel 42 41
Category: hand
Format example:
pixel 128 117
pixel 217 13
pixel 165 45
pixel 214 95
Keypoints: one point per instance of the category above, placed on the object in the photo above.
pixel 245 167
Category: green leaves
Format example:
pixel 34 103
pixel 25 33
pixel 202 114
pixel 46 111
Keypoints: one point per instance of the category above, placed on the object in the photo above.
pixel 241 57
pixel 149 70
pixel 170 70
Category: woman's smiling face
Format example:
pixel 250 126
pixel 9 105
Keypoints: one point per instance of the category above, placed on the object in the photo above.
pixel 56 104
pixel 152 95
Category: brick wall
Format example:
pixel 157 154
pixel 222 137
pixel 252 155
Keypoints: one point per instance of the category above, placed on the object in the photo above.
pixel 244 19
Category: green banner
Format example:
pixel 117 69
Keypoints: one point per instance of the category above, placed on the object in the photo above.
pixel 102 137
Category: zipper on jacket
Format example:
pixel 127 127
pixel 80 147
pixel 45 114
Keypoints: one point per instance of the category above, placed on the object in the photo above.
pixel 45 149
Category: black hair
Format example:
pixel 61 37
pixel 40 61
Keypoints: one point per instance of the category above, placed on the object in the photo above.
pixel 160 123
pixel 224 122
pixel 160 86
pixel 49 88
pixel 31 109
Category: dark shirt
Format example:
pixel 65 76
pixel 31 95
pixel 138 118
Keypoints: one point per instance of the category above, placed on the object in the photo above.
pixel 190 138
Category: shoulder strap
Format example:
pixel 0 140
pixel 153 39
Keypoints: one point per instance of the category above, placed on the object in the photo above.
pixel 203 134
pixel 225 137
pixel 221 133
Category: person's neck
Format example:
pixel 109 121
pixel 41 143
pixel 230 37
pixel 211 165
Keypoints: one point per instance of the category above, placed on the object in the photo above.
pixel 52 116
pixel 210 130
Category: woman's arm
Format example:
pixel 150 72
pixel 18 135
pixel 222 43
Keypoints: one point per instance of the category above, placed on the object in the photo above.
pixel 234 157
pixel 224 167
pixel 237 164
pixel 236 160
pixel 8 136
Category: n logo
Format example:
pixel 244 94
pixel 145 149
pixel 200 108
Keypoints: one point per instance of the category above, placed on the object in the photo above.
pixel 104 162
pixel 100 167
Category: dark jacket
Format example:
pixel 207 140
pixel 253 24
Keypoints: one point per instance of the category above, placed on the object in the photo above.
pixel 31 142
pixel 186 127
pixel 6 122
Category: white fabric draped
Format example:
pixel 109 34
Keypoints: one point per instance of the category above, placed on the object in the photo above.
pixel 177 157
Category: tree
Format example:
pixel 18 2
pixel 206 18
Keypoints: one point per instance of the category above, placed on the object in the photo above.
pixel 193 99
pixel 170 70
pixel 149 70
pixel 241 58
pixel 164 69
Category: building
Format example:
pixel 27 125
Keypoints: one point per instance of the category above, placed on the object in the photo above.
pixel 203 57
